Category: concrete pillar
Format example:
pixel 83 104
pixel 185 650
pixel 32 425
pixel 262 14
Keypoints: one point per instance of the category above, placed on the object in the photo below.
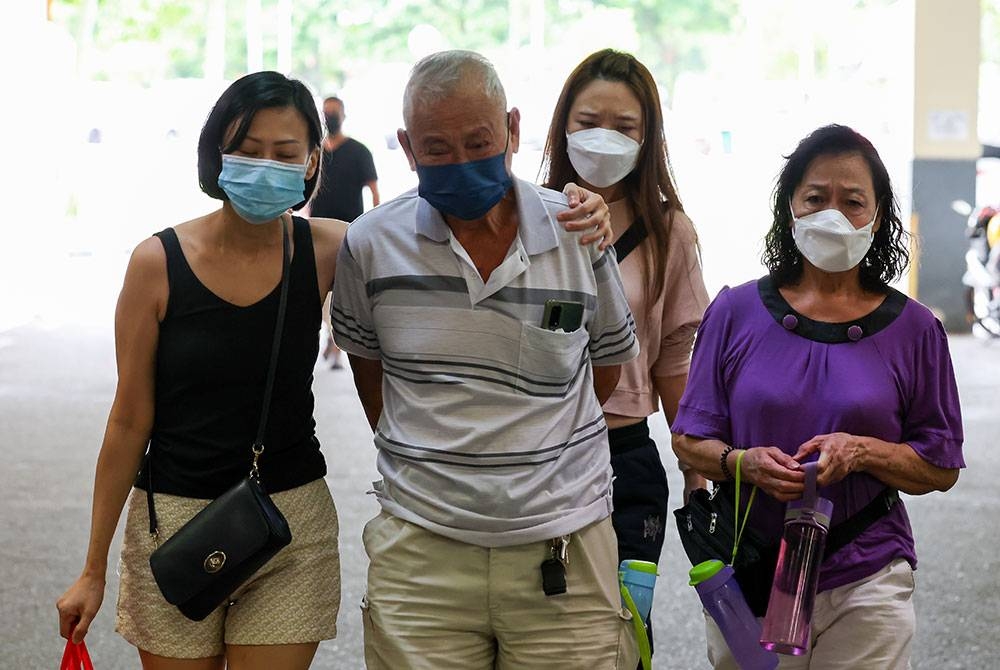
pixel 945 148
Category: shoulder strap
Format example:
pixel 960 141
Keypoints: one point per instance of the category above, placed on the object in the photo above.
pixel 304 263
pixel 630 239
pixel 258 444
pixel 846 531
pixel 168 238
pixel 173 252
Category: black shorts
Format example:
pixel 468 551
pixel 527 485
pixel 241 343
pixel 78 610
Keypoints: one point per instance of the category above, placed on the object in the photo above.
pixel 639 493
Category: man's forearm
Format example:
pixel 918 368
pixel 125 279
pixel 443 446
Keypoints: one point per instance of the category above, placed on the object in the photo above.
pixel 605 381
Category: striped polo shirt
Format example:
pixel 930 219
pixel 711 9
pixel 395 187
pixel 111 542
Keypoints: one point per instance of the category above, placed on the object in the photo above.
pixel 490 432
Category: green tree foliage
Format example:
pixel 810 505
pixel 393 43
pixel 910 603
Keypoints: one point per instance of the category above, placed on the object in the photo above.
pixel 333 37
pixel 140 39
pixel 330 39
pixel 673 32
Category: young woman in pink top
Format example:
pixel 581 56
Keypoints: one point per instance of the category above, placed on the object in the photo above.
pixel 607 134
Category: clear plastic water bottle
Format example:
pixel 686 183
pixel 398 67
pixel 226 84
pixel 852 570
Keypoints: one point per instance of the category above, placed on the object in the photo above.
pixel 787 624
pixel 722 598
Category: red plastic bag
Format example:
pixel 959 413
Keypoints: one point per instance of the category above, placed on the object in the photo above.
pixel 76 657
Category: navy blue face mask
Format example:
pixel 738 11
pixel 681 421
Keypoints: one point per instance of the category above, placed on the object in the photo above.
pixel 465 190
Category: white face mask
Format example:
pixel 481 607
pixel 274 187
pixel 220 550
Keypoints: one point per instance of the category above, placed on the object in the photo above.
pixel 600 156
pixel 829 241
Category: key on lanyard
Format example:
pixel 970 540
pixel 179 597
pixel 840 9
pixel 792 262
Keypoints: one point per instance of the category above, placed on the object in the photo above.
pixel 554 568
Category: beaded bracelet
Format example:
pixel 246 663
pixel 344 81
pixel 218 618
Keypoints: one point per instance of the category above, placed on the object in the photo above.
pixel 722 462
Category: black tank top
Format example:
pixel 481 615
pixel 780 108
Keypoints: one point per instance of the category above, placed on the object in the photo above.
pixel 211 365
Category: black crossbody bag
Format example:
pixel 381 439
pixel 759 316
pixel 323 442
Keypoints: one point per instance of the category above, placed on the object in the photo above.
pixel 707 526
pixel 200 566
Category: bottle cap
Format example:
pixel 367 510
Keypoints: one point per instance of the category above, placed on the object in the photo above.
pixel 705 571
pixel 638 566
pixel 812 508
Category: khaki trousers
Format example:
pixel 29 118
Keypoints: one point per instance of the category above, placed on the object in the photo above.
pixel 434 603
pixel 865 625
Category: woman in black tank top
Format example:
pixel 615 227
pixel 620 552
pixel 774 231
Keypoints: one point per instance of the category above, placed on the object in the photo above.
pixel 193 333
pixel 194 326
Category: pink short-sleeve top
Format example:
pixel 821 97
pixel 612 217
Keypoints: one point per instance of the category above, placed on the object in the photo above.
pixel 665 326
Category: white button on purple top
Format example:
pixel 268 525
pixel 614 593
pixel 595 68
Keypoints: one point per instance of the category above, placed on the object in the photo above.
pixel 790 321
pixel 854 333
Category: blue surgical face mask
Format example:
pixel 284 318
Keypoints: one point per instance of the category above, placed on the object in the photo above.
pixel 465 190
pixel 259 189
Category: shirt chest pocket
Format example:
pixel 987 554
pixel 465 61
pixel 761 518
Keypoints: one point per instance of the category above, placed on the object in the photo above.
pixel 550 362
pixel 449 345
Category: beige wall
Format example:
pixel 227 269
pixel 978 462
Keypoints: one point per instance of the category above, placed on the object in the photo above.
pixel 946 79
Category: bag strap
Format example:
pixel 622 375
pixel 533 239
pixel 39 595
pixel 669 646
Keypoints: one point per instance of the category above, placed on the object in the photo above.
pixel 630 239
pixel 846 531
pixel 258 444
pixel 738 532
pixel 839 535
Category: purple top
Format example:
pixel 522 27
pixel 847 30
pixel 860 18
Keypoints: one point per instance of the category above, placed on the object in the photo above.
pixel 760 378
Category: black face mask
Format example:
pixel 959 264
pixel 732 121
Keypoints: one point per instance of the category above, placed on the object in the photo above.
pixel 333 124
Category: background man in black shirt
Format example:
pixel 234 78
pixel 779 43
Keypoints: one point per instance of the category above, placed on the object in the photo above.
pixel 347 168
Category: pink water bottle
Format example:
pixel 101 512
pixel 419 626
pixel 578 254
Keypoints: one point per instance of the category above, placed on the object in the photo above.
pixel 793 592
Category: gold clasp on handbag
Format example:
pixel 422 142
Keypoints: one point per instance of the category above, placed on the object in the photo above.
pixel 215 561
pixel 258 449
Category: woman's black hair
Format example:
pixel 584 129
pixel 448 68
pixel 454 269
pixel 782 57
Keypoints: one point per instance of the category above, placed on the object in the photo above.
pixel 239 103
pixel 888 256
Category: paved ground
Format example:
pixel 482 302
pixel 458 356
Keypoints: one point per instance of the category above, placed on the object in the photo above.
pixel 56 383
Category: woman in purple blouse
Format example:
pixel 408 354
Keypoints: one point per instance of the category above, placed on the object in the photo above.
pixel 821 359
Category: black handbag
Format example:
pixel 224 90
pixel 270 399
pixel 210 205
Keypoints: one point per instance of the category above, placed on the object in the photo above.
pixel 707 527
pixel 220 548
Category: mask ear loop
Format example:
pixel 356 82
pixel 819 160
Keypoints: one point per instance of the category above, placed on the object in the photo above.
pixel 874 219
pixel 507 126
pixel 738 535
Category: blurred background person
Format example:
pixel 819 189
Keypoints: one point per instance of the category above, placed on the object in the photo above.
pixel 348 168
pixel 607 134
pixel 821 358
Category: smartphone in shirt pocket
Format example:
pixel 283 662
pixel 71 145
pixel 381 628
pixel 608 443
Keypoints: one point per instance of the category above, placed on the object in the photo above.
pixel 562 315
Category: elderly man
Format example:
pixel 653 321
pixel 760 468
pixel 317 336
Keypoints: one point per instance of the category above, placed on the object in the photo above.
pixel 478 331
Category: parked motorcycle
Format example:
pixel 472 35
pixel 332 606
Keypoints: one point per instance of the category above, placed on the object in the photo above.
pixel 982 268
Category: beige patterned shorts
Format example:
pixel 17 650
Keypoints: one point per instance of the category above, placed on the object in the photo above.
pixel 293 599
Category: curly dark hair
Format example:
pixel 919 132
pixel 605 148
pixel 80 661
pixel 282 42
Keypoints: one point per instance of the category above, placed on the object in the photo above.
pixel 889 254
